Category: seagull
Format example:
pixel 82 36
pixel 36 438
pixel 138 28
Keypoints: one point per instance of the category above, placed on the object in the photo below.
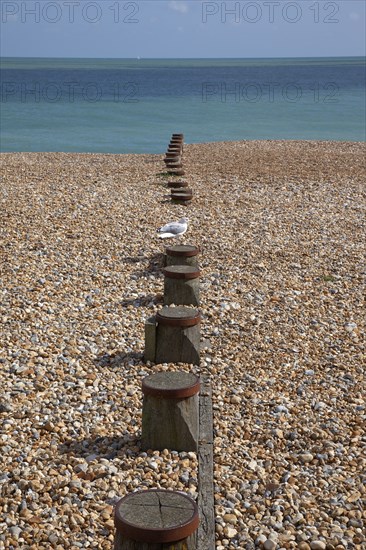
pixel 173 229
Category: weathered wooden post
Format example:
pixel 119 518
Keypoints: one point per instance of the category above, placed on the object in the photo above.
pixel 170 412
pixel 178 335
pixel 172 154
pixel 182 254
pixel 174 149
pixel 181 285
pixel 176 171
pixel 177 190
pixel 182 198
pixel 175 158
pixel 173 164
pixel 176 144
pixel 156 519
pixel 178 183
pixel 150 339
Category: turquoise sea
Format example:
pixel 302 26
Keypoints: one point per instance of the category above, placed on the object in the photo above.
pixel 133 105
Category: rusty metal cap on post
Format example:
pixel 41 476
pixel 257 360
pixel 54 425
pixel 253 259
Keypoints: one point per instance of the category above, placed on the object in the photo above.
pixel 176 190
pixel 173 165
pixel 176 184
pixel 182 250
pixel 184 197
pixel 180 316
pixel 171 385
pixel 176 171
pixel 156 516
pixel 186 272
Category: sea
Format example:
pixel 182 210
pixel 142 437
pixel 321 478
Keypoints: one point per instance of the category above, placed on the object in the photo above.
pixel 134 105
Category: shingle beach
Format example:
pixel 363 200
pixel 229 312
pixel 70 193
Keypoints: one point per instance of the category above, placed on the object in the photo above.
pixel 281 227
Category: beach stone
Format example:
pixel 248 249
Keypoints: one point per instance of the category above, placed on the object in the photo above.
pixel 269 544
pixel 230 532
pixel 235 399
pixel 278 225
pixel 306 457
pixel 318 545
pixel 230 518
pixel 15 531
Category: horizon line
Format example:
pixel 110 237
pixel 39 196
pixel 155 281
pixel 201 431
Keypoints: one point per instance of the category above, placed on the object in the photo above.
pixel 139 58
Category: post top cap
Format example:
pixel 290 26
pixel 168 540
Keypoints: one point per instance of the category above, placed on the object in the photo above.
pixel 181 272
pixel 176 171
pixel 156 516
pixel 177 183
pixel 185 250
pixel 178 190
pixel 171 385
pixel 179 316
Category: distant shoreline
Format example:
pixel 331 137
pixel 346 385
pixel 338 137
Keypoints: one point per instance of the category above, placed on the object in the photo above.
pixel 198 144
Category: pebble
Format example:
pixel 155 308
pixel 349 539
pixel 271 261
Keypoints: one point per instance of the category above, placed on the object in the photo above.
pixel 230 532
pixel 260 540
pixel 281 409
pixel 306 457
pixel 235 399
pixel 81 274
pixel 230 518
pixel 318 545
pixel 15 531
pixel 269 544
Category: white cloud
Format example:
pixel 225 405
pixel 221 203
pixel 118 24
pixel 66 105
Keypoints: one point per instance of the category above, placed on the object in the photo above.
pixel 178 5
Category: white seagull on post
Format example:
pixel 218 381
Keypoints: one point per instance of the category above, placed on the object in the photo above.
pixel 173 229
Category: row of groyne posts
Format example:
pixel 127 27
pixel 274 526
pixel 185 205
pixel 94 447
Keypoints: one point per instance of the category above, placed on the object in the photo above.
pixel 179 191
pixel 176 415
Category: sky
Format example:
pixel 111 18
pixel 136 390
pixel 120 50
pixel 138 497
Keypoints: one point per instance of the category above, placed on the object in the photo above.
pixel 182 28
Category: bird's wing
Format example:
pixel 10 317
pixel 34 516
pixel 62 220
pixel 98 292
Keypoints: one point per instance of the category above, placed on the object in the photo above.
pixel 172 227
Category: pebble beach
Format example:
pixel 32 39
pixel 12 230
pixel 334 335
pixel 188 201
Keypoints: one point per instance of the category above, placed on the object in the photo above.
pixel 281 228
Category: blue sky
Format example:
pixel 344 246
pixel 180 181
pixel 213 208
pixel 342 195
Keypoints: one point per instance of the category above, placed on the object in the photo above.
pixel 182 28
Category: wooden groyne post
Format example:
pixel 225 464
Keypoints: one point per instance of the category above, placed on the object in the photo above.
pixel 156 519
pixel 181 285
pixel 170 413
